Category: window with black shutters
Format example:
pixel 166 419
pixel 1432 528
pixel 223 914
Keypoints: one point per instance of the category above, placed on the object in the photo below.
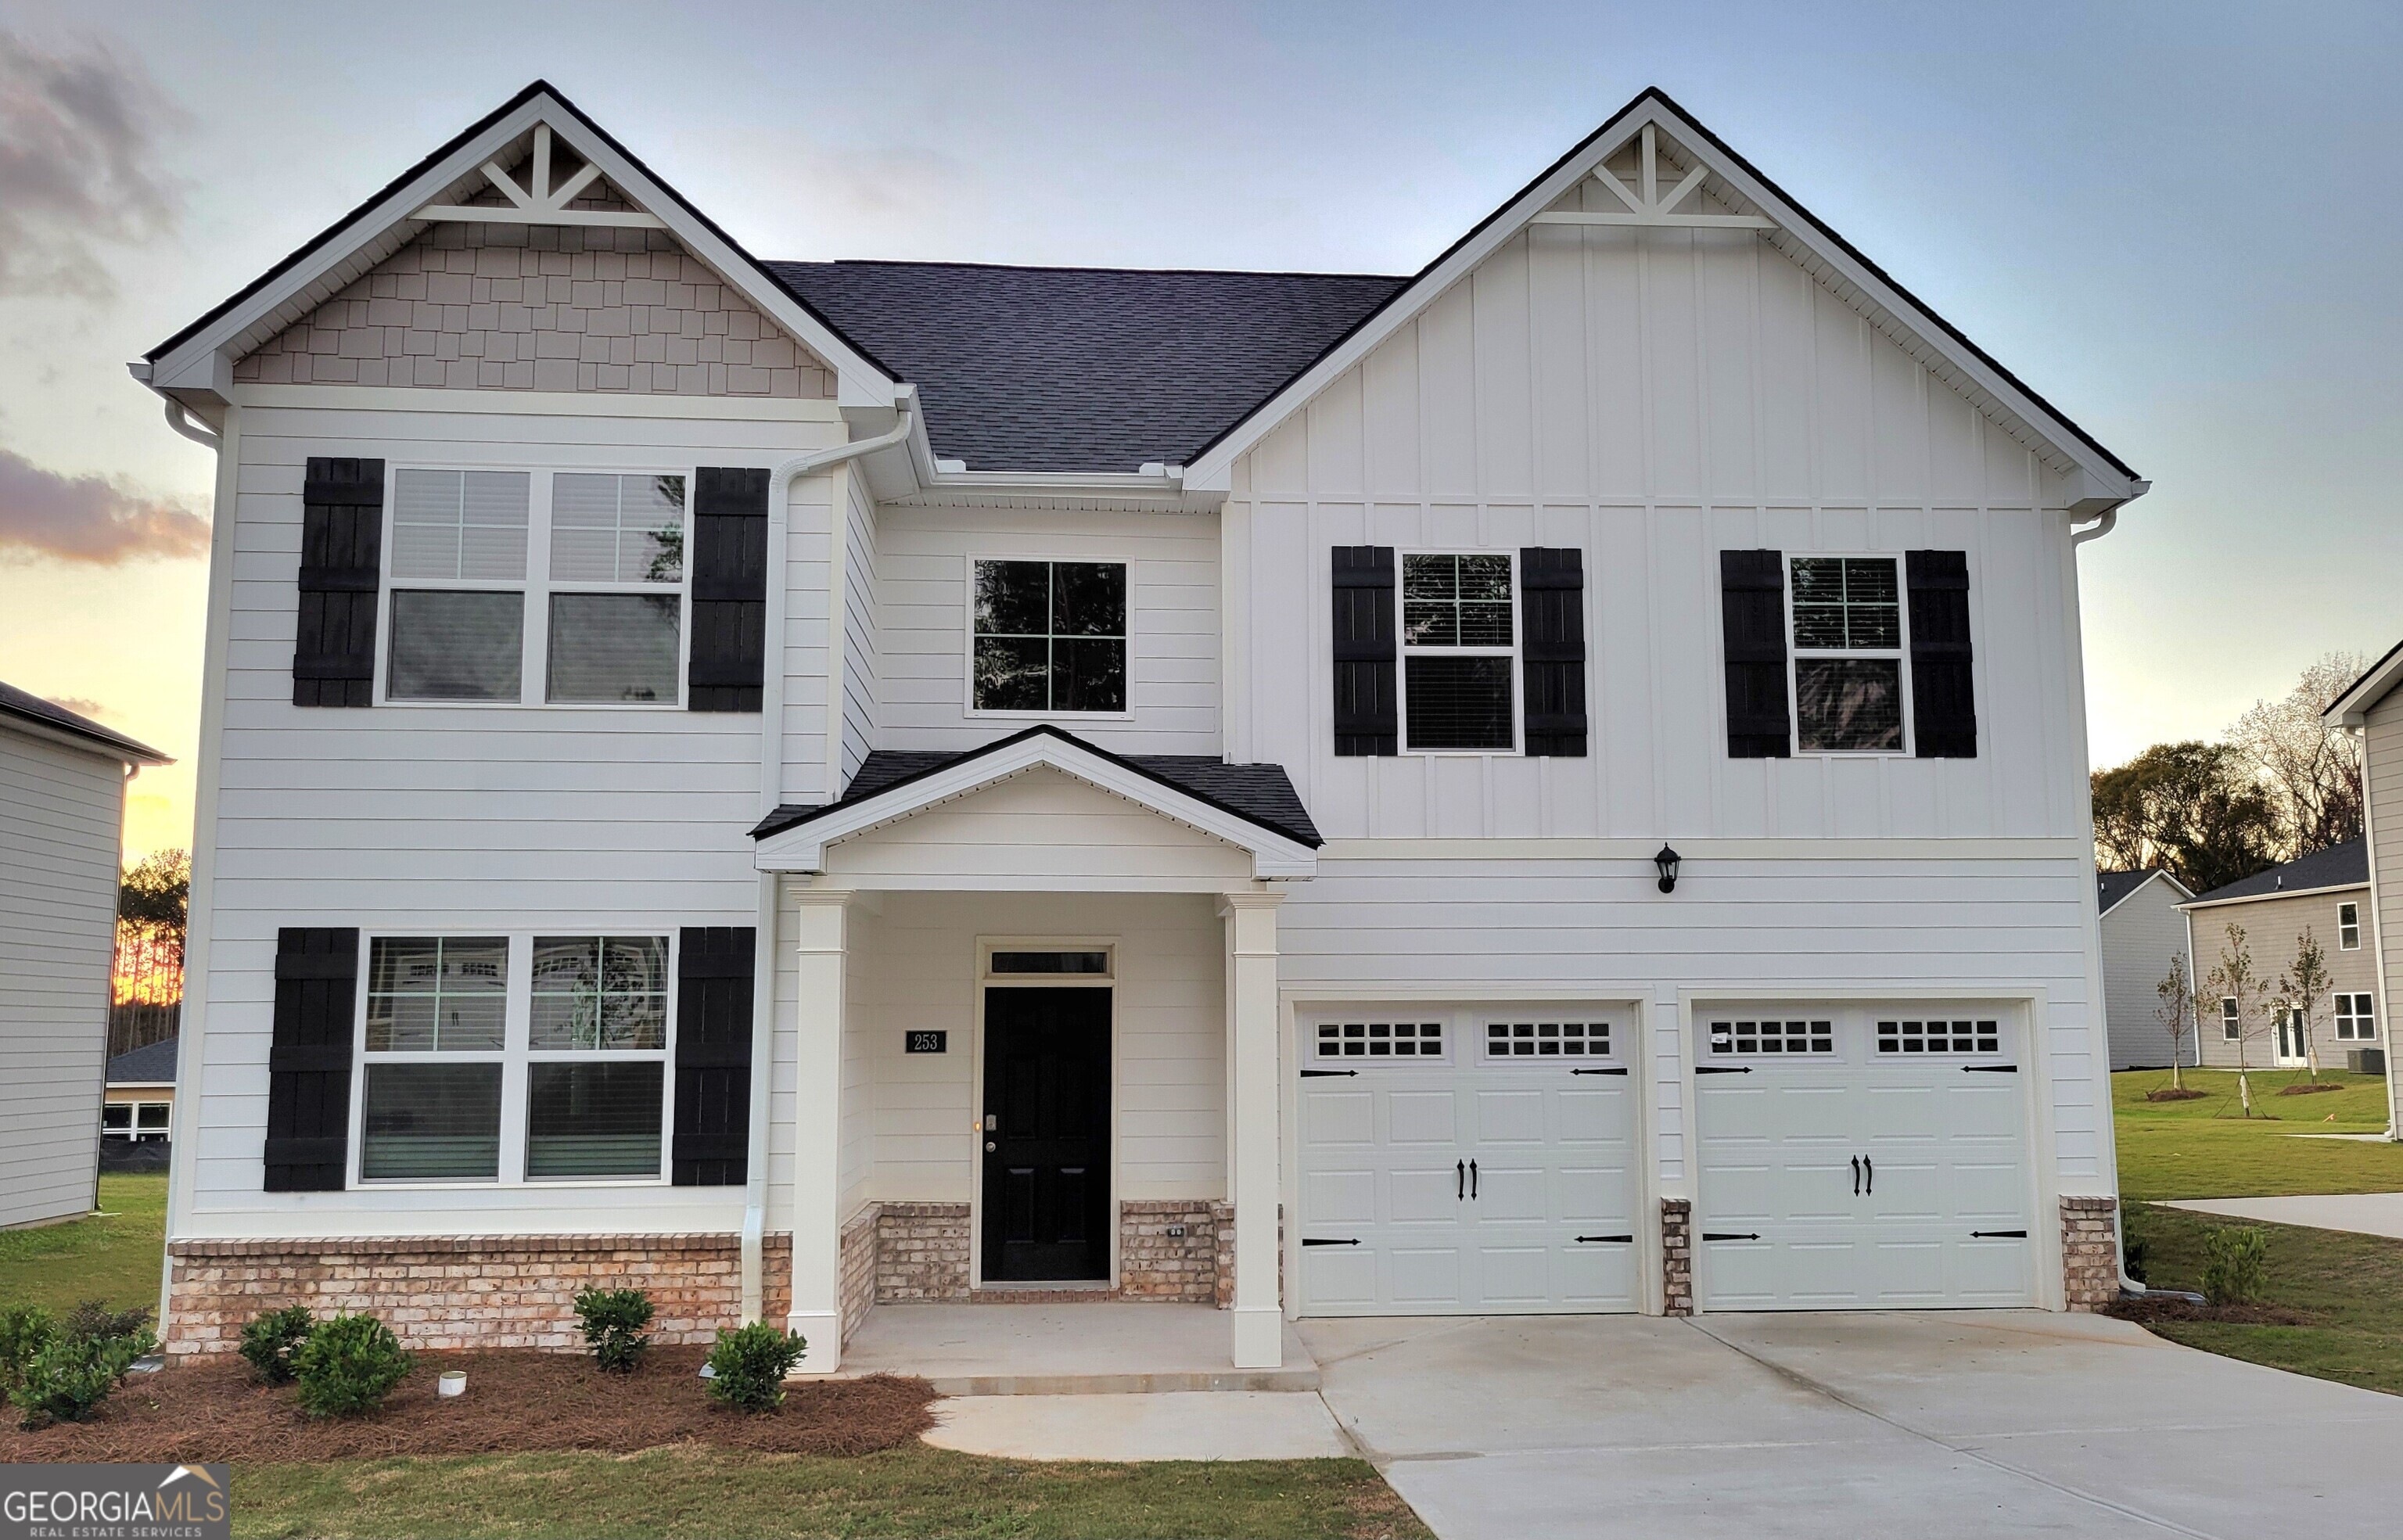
pixel 1848 654
pixel 1459 643
pixel 1048 637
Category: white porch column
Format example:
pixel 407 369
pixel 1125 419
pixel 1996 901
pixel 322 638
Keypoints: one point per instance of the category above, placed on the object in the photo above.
pixel 821 938
pixel 1252 1151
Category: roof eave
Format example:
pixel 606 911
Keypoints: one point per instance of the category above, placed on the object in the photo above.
pixel 2207 902
pixel 2352 709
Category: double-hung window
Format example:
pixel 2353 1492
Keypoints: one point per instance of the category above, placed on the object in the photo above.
pixel 2231 1026
pixel 2356 1021
pixel 1848 655
pixel 1048 637
pixel 509 1059
pixel 2348 928
pixel 1459 653
pixel 585 606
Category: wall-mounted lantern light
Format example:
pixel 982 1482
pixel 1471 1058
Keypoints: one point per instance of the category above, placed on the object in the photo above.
pixel 1667 862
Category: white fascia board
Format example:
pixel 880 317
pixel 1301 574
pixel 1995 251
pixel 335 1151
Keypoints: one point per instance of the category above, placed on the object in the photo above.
pixel 2101 484
pixel 2273 892
pixel 802 848
pixel 198 364
pixel 2352 709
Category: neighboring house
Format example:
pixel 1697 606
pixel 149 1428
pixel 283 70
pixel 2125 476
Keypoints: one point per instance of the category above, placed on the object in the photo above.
pixel 137 1110
pixel 1556 783
pixel 2142 933
pixel 62 816
pixel 2325 894
pixel 2373 708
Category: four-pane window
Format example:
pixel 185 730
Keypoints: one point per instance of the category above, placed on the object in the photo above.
pixel 1848 652
pixel 1049 636
pixel 2356 1021
pixel 1459 653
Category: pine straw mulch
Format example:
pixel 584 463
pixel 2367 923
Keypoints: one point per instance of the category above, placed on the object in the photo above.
pixel 2307 1088
pixel 2176 1093
pixel 517 1401
pixel 2145 1310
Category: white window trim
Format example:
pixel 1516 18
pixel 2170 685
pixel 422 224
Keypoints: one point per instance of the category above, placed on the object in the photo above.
pixel 1403 652
pixel 2343 926
pixel 2339 1016
pixel 2232 1025
pixel 133 1132
pixel 537 586
pixel 514 1055
pixel 969 633
pixel 1795 653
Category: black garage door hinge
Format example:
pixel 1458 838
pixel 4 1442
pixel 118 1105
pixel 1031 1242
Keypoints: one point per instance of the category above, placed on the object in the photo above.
pixel 1584 1240
pixel 1615 1068
pixel 1722 1069
pixel 1314 1241
pixel 1321 1074
pixel 1990 1069
pixel 1998 1235
pixel 1729 1235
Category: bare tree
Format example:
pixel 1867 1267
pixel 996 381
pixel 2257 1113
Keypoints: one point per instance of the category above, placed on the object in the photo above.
pixel 2304 986
pixel 2177 1013
pixel 2234 980
pixel 2311 769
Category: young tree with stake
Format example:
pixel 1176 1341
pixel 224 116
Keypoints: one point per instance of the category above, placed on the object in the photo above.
pixel 2178 1013
pixel 2304 986
pixel 2234 980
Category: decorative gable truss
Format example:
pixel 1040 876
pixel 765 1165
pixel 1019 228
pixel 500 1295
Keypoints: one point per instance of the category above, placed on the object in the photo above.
pixel 1606 198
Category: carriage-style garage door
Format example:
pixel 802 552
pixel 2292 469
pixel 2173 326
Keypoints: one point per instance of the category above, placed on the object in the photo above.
pixel 1861 1158
pixel 1462 1160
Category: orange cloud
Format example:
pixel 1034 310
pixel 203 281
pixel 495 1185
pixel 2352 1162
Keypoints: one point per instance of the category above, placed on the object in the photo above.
pixel 89 518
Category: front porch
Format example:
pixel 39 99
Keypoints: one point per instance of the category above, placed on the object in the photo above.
pixel 1108 1348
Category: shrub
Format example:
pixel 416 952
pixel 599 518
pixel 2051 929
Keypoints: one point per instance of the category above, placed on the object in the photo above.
pixel 348 1366
pixel 24 1330
pixel 2133 1257
pixel 750 1364
pixel 613 1320
pixel 71 1373
pixel 95 1320
pixel 2235 1258
pixel 270 1339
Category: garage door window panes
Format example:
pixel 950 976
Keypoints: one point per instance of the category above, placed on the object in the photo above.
pixel 1783 1039
pixel 1905 1037
pixel 1546 1039
pixel 1380 1040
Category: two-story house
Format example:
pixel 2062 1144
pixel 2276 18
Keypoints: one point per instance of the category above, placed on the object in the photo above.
pixel 1555 782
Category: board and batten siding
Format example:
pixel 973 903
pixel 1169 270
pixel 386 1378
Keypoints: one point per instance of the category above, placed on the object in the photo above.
pixel 2141 934
pixel 924 558
pixel 60 810
pixel 464 820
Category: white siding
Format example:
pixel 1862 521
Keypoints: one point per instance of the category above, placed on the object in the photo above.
pixel 2382 751
pixel 60 812
pixel 859 643
pixel 1042 826
pixel 923 576
pixel 2140 934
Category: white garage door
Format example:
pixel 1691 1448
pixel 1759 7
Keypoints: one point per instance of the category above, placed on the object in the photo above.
pixel 1467 1160
pixel 1861 1158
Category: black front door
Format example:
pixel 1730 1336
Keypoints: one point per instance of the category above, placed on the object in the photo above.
pixel 1046 1140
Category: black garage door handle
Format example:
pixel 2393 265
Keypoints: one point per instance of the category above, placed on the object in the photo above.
pixel 1321 1074
pixel 1314 1241
pixel 1990 1069
pixel 1998 1235
pixel 1722 1069
pixel 1725 1235
pixel 1616 1069
pixel 1586 1240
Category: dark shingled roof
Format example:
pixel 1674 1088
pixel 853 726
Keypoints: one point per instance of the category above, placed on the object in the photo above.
pixel 1260 793
pixel 1084 368
pixel 2338 867
pixel 154 1065
pixel 32 708
pixel 2112 886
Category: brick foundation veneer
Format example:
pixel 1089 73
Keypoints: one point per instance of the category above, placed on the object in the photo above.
pixel 1676 1256
pixel 1156 1265
pixel 856 1270
pixel 921 1252
pixel 481 1291
pixel 2090 1251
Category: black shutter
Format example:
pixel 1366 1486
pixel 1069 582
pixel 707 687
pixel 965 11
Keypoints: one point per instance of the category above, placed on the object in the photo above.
pixel 1551 637
pixel 1368 720
pixel 1752 622
pixel 1943 694
pixel 309 1058
pixel 730 588
pixel 341 551
pixel 713 1057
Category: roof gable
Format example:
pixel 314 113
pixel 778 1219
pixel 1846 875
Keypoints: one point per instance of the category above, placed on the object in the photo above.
pixel 464 182
pixel 57 722
pixel 2113 888
pixel 1669 171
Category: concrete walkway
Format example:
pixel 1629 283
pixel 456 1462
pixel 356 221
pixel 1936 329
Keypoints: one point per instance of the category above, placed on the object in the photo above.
pixel 2362 1212
pixel 1960 1424
pixel 1188 1426
pixel 1106 1347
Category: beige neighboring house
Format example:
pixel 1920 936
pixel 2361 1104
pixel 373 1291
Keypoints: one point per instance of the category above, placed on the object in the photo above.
pixel 2327 894
pixel 62 811
pixel 2373 709
pixel 2143 930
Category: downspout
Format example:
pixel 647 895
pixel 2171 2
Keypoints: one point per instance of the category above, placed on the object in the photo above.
pixel 771 778
pixel 180 418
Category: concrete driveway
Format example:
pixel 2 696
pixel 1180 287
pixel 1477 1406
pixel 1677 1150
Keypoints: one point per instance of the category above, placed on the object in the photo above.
pixel 1959 1424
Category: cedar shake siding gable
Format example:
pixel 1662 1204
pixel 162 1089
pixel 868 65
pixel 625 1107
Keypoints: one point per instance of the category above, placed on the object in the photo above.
pixel 502 307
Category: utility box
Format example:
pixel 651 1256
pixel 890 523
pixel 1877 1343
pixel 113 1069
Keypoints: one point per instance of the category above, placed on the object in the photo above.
pixel 2366 1060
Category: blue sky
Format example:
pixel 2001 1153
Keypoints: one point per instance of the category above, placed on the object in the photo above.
pixel 2180 223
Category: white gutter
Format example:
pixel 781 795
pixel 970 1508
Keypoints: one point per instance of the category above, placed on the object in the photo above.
pixel 771 776
pixel 180 418
pixel 2108 518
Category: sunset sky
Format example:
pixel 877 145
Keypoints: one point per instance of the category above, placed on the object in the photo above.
pixel 2179 222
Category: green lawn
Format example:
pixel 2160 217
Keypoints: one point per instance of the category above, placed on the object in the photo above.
pixel 2208 1148
pixel 2348 1288
pixel 912 1492
pixel 112 1255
